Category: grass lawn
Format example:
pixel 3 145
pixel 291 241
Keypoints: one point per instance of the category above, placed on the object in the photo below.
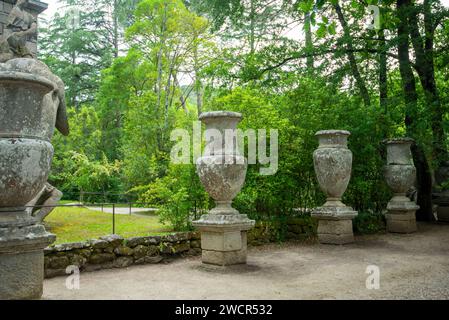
pixel 80 224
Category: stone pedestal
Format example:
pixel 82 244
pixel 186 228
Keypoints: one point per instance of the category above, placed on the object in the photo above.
pixel 333 166
pixel 22 261
pixel 335 224
pixel 401 216
pixel 224 238
pixel 400 174
pixel 222 171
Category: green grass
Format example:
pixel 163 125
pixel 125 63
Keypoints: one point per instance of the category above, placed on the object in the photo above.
pixel 80 224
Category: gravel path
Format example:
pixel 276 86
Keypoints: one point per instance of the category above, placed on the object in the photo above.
pixel 411 267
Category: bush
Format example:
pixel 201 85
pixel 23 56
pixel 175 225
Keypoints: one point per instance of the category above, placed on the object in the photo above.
pixel 369 223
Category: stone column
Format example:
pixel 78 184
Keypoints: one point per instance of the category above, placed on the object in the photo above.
pixel 222 170
pixel 400 174
pixel 25 161
pixel 333 166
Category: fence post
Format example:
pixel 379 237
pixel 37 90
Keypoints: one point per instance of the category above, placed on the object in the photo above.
pixel 113 218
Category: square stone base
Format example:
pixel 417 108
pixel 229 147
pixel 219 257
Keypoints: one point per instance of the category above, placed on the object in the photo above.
pixel 21 275
pixel 401 222
pixel 338 232
pixel 22 261
pixel 224 249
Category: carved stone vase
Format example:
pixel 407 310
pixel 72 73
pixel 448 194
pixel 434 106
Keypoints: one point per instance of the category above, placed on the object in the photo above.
pixel 400 175
pixel 333 166
pixel 26 127
pixel 222 171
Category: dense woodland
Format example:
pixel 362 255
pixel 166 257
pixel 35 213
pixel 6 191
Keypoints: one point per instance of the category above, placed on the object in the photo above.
pixel 135 70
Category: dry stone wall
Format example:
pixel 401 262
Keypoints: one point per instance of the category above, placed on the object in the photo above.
pixel 116 252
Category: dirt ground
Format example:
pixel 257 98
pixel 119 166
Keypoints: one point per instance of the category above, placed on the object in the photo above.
pixel 412 266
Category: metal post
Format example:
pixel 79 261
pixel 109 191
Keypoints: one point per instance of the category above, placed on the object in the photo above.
pixel 130 208
pixel 113 218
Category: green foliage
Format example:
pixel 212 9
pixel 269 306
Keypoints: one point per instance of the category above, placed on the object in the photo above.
pixel 369 223
pixel 127 91
pixel 178 195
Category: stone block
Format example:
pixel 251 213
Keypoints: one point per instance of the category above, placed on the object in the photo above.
pixel 220 258
pixel 123 262
pixel 58 262
pixel 114 240
pixel 195 244
pixel 181 247
pixel 337 239
pixel 222 241
pixel 99 244
pixel 140 252
pixel 335 227
pixel 22 275
pixel 101 258
pixel 401 223
pixel 124 251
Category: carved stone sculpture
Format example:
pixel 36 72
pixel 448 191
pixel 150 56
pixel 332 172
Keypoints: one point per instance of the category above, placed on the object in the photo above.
pixel 222 170
pixel 21 25
pixel 400 174
pixel 333 166
pixel 32 104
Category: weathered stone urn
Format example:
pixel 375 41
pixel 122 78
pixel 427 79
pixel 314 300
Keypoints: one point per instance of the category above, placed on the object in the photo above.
pixel 222 171
pixel 30 106
pixel 333 167
pixel 400 175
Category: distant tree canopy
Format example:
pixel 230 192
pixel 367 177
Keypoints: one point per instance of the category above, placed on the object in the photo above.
pixel 135 70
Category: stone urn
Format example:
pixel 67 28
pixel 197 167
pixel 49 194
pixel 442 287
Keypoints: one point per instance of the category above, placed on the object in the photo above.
pixel 222 171
pixel 333 167
pixel 400 175
pixel 28 112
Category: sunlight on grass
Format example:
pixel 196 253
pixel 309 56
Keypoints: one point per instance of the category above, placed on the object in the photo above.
pixel 80 224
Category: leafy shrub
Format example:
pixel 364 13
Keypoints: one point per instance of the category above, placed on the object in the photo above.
pixel 369 223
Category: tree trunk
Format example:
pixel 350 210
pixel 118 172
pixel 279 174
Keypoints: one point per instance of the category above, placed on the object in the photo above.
pixel 423 47
pixel 116 35
pixel 309 42
pixel 351 57
pixel 411 103
pixel 383 72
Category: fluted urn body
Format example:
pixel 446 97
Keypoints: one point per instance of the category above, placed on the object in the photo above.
pixel 333 167
pixel 333 164
pixel 400 175
pixel 26 152
pixel 400 172
pixel 222 171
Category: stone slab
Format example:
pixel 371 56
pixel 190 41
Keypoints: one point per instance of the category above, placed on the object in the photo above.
pixel 21 275
pixel 405 223
pixel 335 227
pixel 225 241
pixel 218 258
pixel 336 239
pixel 226 257
pixel 334 213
